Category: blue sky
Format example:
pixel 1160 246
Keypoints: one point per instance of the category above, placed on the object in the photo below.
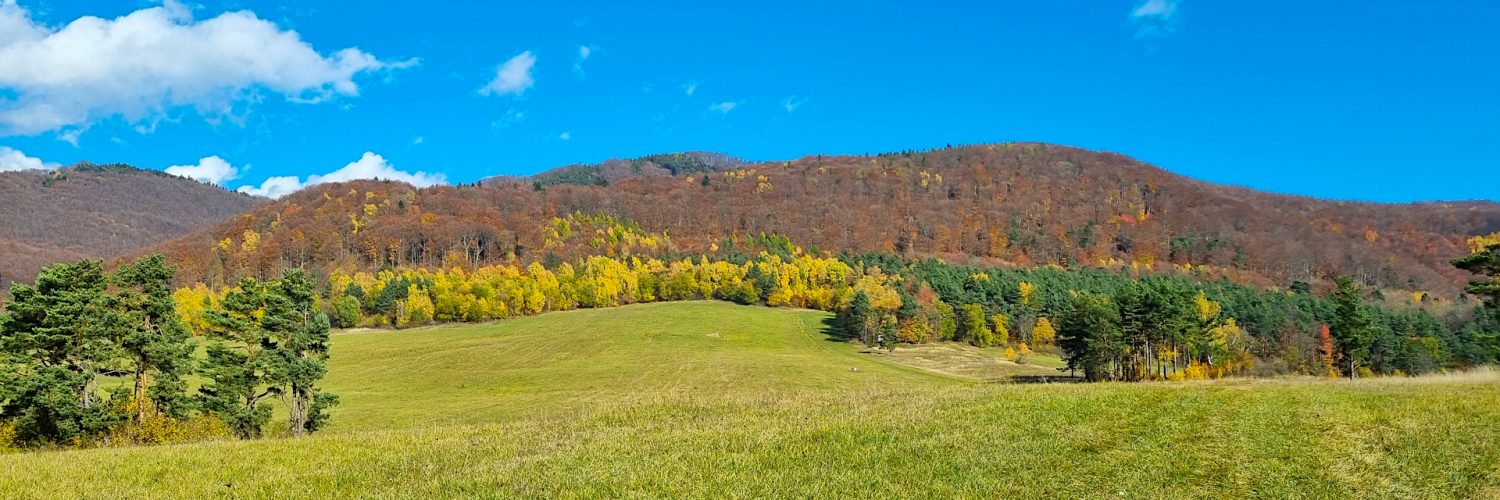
pixel 1369 100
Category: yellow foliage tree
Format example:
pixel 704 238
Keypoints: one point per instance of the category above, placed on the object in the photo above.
pixel 418 308
pixel 1028 293
pixel 1002 328
pixel 1043 333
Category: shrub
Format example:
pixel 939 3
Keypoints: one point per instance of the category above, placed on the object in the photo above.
pixel 160 429
pixel 1196 371
pixel 7 437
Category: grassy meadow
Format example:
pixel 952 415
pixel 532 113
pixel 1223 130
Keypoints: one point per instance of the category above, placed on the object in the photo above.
pixel 708 399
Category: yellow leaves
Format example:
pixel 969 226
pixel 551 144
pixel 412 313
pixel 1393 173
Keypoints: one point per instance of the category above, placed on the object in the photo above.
pixel 1027 292
pixel 1194 371
pixel 1002 328
pixel 927 179
pixel 1020 355
pixel 979 277
pixel 1043 333
pixel 605 233
pixel 355 225
pixel 7 436
pixel 418 308
pixel 1418 296
pixel 1371 235
pixel 1481 243
pixel 371 210
pixel 739 175
pixel 226 245
pixel 251 241
pixel 1207 309
pixel 763 186
pixel 191 304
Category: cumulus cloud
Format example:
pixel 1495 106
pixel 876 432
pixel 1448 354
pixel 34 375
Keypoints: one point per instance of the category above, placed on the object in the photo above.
pixel 145 63
pixel 1155 18
pixel 724 107
pixel 12 160
pixel 513 77
pixel 690 88
pixel 213 170
pixel 369 166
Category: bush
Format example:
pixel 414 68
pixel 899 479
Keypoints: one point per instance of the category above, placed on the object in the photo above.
pixel 160 429
pixel 1196 371
pixel 1023 355
pixel 7 437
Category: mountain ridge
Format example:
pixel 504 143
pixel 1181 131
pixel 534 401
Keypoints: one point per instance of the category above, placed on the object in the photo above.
pixel 1022 204
pixel 100 211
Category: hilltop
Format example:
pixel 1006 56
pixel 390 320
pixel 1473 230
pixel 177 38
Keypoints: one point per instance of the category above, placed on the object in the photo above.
pixel 1009 204
pixel 100 211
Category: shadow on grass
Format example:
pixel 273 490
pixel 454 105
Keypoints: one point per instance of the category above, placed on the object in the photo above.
pixel 831 330
pixel 1060 378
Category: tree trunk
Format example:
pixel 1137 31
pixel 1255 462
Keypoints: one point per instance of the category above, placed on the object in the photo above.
pixel 141 383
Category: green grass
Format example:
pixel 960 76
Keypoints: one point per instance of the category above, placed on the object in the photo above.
pixel 710 399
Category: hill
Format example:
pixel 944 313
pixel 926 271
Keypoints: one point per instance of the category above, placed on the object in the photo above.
pixel 651 399
pixel 99 211
pixel 1013 204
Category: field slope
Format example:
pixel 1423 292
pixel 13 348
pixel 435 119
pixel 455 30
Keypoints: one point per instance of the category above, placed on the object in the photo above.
pixel 708 399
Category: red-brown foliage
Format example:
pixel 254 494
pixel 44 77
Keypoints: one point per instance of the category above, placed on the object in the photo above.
pixel 1023 204
pixel 92 211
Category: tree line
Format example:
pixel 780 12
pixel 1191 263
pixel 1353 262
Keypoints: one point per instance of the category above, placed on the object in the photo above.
pixel 1119 324
pixel 96 358
pixel 90 358
pixel 407 297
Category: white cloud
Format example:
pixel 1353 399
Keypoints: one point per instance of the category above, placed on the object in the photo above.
pixel 419 140
pixel 145 63
pixel 511 117
pixel 584 52
pixel 565 136
pixel 369 166
pixel 274 187
pixel 724 107
pixel 1155 18
pixel 212 169
pixel 12 160
pixel 690 88
pixel 513 77
pixel 791 103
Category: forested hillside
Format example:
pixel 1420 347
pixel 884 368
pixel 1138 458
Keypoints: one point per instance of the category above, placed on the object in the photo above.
pixel 99 211
pixel 1005 204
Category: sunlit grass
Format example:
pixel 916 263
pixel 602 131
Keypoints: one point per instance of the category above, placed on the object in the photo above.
pixel 711 399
